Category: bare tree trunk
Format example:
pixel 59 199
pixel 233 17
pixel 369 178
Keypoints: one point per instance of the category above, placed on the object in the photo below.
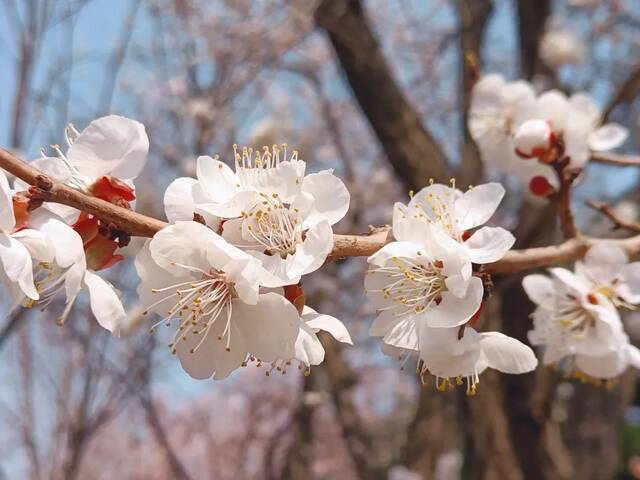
pixel 532 16
pixel 412 151
pixel 299 457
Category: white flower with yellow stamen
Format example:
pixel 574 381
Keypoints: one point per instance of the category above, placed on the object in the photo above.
pixel 421 279
pixel 608 270
pixel 270 208
pixel 457 214
pixel 579 328
pixel 459 356
pixel 192 277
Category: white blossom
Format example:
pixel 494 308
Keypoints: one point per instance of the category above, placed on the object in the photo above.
pixel 578 326
pixel 270 208
pixel 192 277
pixel 560 46
pixel 533 138
pixel 458 215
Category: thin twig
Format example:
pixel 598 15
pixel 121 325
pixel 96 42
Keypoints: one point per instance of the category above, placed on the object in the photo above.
pixel 618 222
pixel 616 159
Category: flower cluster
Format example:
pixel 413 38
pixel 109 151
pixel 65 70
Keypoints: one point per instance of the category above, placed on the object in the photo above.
pixel 510 123
pixel 55 251
pixel 227 271
pixel 576 319
pixel 428 286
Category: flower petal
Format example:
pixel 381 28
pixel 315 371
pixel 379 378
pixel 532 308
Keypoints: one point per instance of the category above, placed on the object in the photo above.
pixel 478 204
pixel 313 251
pixel 453 311
pixel 330 195
pixel 37 243
pixel 110 145
pixel 270 327
pixel 105 304
pixel 335 327
pixel 604 262
pixel 211 357
pixel 403 333
pixel 539 288
pixel 489 244
pixel 183 243
pixel 608 137
pixel 309 350
pixel 507 354
pixel 17 265
pixel 602 366
pixel 629 283
pixel 218 181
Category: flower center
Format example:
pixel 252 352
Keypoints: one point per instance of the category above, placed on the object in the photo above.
pixel 571 316
pixel 414 287
pixel 442 212
pixel 199 303
pixel 49 280
pixel 274 226
pixel 251 165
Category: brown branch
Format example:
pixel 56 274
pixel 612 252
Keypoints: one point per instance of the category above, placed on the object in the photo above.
pixel 566 177
pixel 344 245
pixel 53 191
pixel 618 222
pixel 616 159
pixel 411 149
pixel 626 93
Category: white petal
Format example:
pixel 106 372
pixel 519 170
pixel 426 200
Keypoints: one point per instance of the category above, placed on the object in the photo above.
pixel 434 200
pixel 182 243
pixel 629 283
pixel 507 354
pixel 239 203
pixel 314 250
pixel 394 249
pixel 603 366
pixel 382 324
pixel 178 199
pixel 330 195
pixel 489 244
pixel 65 241
pixel 7 218
pixel 571 281
pixel 17 265
pixel 554 107
pixel 52 166
pixel 309 350
pixel 403 333
pixel 105 304
pixel 218 180
pixel 111 145
pixel 211 357
pixel 478 204
pixel 329 324
pixel 454 311
pixel 604 262
pixel 608 137
pixel 633 356
pixel 539 288
pixel 270 327
pixel 37 244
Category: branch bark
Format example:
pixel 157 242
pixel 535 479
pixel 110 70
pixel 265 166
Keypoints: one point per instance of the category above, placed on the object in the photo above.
pixel 532 17
pixel 616 159
pixel 626 93
pixel 343 245
pixel 412 151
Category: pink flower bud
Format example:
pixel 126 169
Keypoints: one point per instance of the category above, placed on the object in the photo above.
pixel 533 138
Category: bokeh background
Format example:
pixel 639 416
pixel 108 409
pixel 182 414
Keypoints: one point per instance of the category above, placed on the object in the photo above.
pixel 379 91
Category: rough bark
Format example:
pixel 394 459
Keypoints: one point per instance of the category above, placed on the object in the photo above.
pixel 410 148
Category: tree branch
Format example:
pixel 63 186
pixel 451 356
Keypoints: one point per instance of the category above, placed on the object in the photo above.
pixel 618 222
pixel 616 159
pixel 628 91
pixel 343 245
pixel 410 148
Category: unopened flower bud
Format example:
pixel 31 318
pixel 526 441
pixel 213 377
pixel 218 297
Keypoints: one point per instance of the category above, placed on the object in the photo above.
pixel 541 187
pixel 533 138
